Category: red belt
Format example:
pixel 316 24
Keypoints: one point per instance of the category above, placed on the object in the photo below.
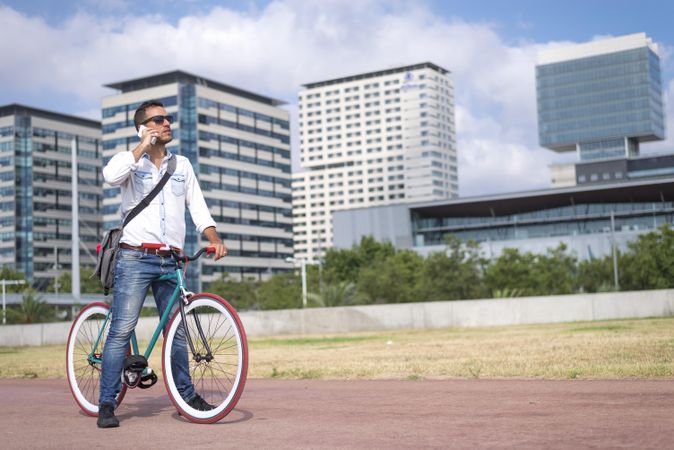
pixel 149 251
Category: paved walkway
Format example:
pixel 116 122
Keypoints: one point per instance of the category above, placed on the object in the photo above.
pixel 279 414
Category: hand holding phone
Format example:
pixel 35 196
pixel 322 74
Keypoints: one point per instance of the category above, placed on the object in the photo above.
pixel 140 135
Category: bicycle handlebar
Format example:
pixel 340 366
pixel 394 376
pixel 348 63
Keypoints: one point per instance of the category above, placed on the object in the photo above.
pixel 197 255
pixel 176 255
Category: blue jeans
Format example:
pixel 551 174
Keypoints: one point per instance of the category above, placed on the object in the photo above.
pixel 135 272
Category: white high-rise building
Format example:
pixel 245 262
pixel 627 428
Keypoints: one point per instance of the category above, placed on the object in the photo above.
pixel 369 140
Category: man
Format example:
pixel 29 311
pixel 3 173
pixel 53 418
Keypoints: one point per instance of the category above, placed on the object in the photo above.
pixel 137 268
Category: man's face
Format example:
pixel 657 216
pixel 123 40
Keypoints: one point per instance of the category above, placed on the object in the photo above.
pixel 160 124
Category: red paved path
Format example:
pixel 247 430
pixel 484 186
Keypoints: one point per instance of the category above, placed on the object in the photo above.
pixel 278 414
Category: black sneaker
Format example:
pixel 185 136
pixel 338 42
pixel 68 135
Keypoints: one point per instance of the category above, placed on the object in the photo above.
pixel 106 416
pixel 200 404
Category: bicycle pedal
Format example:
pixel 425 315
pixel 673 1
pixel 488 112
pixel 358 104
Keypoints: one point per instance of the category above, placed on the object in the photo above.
pixel 130 378
pixel 148 380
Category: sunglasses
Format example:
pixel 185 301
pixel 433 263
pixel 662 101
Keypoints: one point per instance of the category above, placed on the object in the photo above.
pixel 158 120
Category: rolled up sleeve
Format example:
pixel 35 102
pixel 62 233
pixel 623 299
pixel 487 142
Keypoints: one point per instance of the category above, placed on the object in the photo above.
pixel 196 203
pixel 119 167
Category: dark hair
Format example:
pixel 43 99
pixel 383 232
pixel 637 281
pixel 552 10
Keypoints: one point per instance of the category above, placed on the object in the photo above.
pixel 139 115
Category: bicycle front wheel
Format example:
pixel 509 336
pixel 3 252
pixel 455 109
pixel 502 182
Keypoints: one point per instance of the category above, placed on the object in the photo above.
pixel 219 379
pixel 84 355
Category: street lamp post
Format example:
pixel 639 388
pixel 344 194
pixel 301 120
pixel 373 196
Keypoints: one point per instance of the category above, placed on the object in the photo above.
pixel 616 283
pixel 303 271
pixel 75 225
pixel 4 304
pixel 56 268
pixel 303 265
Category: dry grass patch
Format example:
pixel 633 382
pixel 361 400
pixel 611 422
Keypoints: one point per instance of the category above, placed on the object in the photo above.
pixel 607 350
pixel 615 349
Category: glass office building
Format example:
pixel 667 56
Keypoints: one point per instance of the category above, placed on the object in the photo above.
pixel 600 99
pixel 36 191
pixel 239 145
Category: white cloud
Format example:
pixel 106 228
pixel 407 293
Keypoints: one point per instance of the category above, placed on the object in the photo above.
pixel 495 163
pixel 274 50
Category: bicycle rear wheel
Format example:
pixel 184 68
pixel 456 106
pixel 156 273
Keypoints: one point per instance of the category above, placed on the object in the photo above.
pixel 221 380
pixel 84 354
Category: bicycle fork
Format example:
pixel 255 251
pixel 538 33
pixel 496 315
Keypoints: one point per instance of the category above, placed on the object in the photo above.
pixel 208 357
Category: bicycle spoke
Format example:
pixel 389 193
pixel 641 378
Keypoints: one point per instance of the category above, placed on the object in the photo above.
pixel 90 328
pixel 223 340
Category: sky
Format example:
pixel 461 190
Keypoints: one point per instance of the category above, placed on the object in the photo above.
pixel 58 55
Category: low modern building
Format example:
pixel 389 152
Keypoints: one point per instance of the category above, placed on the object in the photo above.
pixel 587 219
pixel 613 170
pixel 36 190
pixel 372 139
pixel 239 145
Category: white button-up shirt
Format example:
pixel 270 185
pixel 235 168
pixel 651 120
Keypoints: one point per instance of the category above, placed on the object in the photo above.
pixel 163 220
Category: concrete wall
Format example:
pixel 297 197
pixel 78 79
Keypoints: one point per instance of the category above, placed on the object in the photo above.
pixel 467 313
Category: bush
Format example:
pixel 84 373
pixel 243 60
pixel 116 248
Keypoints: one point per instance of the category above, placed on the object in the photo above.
pixel 32 309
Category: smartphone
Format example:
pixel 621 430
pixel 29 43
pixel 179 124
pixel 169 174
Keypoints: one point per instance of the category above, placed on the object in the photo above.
pixel 140 134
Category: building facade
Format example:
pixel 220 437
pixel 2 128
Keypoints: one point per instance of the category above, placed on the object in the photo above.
pixel 600 99
pixel 36 191
pixel 613 170
pixel 372 139
pixel 239 145
pixel 588 219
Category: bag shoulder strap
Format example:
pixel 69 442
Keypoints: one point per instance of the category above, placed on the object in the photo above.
pixel 146 201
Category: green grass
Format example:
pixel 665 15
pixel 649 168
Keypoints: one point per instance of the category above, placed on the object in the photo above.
pixel 616 349
pixel 313 341
pixel 615 327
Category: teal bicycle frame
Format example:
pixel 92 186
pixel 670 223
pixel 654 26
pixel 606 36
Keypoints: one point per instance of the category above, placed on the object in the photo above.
pixel 179 289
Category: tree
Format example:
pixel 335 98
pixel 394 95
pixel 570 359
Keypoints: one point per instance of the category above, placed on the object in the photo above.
pixel 341 293
pixel 394 279
pixel 453 274
pixel 596 275
pixel 88 285
pixel 555 272
pixel 9 274
pixel 345 265
pixel 241 295
pixel 528 274
pixel 32 309
pixel 281 291
pixel 650 262
pixel 511 270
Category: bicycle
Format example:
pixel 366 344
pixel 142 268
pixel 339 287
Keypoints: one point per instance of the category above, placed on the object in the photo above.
pixel 214 333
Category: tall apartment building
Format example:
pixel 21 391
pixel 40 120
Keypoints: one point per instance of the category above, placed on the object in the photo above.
pixel 36 190
pixel 372 139
pixel 239 145
pixel 600 99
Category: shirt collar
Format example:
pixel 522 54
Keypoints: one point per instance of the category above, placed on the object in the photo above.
pixel 166 157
